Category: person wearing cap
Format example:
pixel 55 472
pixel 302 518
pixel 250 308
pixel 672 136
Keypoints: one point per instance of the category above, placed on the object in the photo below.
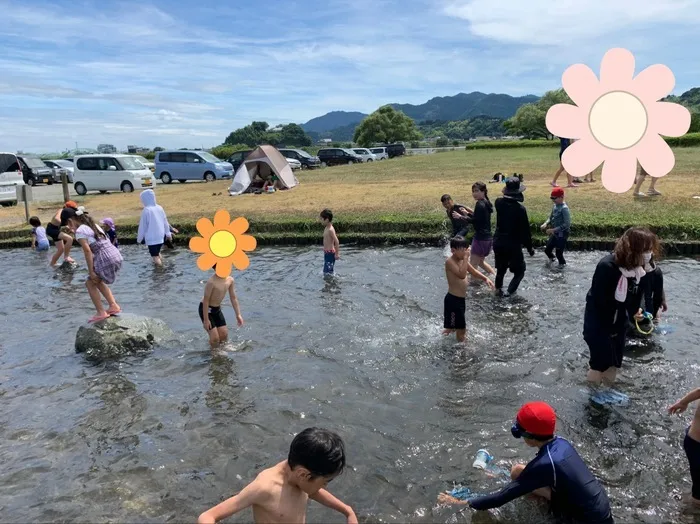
pixel 62 240
pixel 557 227
pixel 512 234
pixel 557 473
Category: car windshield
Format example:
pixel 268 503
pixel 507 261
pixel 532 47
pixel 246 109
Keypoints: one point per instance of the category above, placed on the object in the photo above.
pixel 63 163
pixel 33 162
pixel 303 153
pixel 208 156
pixel 129 162
pixel 143 160
pixel 349 151
pixel 361 151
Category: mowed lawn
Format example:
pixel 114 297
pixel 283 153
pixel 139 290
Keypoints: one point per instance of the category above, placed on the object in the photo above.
pixel 411 186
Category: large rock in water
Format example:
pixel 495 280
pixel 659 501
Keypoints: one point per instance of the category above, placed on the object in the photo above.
pixel 119 336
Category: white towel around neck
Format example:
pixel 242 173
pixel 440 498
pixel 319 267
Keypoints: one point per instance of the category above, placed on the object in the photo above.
pixel 621 290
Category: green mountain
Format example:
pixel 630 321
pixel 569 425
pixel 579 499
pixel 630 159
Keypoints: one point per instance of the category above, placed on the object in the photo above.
pixel 332 120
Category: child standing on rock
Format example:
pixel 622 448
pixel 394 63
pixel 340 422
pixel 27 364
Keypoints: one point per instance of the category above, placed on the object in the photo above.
pixel 153 226
pixel 103 260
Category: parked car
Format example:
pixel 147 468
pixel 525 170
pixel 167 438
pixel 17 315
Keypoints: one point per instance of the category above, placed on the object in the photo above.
pixel 294 163
pixel 34 170
pixel 58 167
pixel 337 156
pixel 110 173
pixel 150 165
pixel 394 150
pixel 380 153
pixel 307 161
pixel 190 165
pixel 238 157
pixel 10 178
pixel 365 154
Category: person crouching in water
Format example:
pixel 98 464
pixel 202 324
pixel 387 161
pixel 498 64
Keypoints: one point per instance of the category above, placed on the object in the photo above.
pixel 153 226
pixel 557 473
pixel 62 240
pixel 103 260
pixel 456 268
pixel 457 213
pixel 512 234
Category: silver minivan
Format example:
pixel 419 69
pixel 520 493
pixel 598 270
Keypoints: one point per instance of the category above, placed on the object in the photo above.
pixel 190 165
pixel 10 177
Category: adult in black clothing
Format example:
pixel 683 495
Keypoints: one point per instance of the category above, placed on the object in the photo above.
pixel 458 214
pixel 617 284
pixel 482 241
pixel 653 297
pixel 512 234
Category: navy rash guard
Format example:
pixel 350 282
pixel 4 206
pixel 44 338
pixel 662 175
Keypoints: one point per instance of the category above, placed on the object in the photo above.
pixel 575 491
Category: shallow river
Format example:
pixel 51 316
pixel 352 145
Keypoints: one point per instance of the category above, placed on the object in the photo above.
pixel 164 436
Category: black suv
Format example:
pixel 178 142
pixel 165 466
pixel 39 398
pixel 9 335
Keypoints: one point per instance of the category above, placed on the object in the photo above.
pixel 395 150
pixel 337 156
pixel 35 171
pixel 237 159
pixel 307 161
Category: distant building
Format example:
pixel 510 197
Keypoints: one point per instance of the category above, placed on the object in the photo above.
pixel 325 141
pixel 104 149
pixel 135 150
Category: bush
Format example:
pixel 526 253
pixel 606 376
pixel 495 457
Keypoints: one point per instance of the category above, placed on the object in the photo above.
pixel 691 139
pixel 225 151
pixel 415 145
pixel 441 142
pixel 455 143
pixel 688 140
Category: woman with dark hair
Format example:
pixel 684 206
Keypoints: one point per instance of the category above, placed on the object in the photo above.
pixel 480 218
pixel 616 284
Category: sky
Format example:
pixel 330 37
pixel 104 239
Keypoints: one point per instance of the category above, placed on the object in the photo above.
pixel 185 74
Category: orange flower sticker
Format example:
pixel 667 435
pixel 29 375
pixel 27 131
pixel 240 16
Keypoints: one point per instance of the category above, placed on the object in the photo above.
pixel 223 243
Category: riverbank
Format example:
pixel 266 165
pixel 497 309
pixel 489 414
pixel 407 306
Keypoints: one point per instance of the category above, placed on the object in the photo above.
pixel 398 201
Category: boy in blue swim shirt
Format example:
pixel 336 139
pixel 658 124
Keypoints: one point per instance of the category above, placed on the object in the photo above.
pixel 557 473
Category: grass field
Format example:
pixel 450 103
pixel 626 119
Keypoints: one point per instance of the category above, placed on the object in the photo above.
pixel 403 195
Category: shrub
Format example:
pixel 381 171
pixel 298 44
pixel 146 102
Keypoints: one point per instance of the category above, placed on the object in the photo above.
pixel 688 140
pixel 455 143
pixel 225 151
pixel 441 142
pixel 691 139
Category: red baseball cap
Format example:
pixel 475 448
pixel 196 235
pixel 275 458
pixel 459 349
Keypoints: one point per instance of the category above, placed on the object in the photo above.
pixel 558 192
pixel 537 418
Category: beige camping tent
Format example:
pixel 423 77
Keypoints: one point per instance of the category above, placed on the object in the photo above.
pixel 261 164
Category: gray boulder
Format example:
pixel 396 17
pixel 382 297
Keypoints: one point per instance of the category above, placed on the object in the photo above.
pixel 119 336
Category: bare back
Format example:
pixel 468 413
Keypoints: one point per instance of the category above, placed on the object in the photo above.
pixel 329 237
pixel 456 285
pixel 216 290
pixel 282 502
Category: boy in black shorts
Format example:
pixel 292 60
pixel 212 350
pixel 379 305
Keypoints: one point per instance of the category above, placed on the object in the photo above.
pixel 691 442
pixel 456 269
pixel 214 293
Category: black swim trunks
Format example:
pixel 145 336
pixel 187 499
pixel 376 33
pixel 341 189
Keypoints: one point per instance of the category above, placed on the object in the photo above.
pixel 53 231
pixel 692 451
pixel 216 316
pixel 455 311
pixel 154 250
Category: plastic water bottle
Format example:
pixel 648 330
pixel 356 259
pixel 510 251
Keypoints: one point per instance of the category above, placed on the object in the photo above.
pixel 482 460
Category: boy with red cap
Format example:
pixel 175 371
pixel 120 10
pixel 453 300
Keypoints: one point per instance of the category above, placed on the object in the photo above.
pixel 557 473
pixel 557 226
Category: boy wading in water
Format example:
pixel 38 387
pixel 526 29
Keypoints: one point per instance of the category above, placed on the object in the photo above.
pixel 214 293
pixel 691 443
pixel 557 226
pixel 456 269
pixel 331 244
pixel 282 492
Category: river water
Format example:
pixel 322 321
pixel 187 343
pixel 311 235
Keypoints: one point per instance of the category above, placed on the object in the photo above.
pixel 162 437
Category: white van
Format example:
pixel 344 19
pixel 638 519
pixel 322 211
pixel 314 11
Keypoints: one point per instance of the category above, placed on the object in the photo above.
pixel 110 173
pixel 10 178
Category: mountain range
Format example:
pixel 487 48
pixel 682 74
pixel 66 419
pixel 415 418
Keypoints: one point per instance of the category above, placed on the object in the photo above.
pixel 443 108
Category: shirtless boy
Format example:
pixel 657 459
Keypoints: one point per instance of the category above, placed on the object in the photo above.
pixel 331 244
pixel 63 241
pixel 214 293
pixel 691 443
pixel 456 269
pixel 282 492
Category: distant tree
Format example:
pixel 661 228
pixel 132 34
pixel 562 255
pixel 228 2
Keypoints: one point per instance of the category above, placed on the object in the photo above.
pixel 251 135
pixel 455 143
pixel 441 142
pixel 415 144
pixel 386 125
pixel 157 149
pixel 530 119
pixel 294 135
pixel 694 122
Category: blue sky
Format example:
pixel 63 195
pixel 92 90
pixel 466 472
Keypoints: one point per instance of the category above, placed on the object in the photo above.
pixel 184 74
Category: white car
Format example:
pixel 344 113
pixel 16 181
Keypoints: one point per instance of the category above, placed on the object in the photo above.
pixel 294 163
pixel 110 173
pixel 150 165
pixel 365 154
pixel 380 153
pixel 59 166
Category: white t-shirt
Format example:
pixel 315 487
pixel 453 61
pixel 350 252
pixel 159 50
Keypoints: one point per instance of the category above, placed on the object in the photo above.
pixel 87 233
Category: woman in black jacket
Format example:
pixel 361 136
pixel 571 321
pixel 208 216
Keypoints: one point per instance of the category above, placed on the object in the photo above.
pixel 616 283
pixel 480 218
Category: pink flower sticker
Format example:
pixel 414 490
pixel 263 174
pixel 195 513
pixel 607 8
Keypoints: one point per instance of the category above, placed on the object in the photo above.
pixel 618 120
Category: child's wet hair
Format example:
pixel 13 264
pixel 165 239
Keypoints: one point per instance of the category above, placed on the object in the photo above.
pixel 327 214
pixel 320 451
pixel 34 222
pixel 458 242
pixel 445 198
